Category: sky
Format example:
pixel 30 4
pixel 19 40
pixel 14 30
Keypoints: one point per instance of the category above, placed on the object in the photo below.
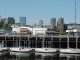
pixel 35 10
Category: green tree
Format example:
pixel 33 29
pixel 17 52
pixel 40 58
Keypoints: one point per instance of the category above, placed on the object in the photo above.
pixel 1 24
pixel 5 26
pixel 61 32
pixel 52 29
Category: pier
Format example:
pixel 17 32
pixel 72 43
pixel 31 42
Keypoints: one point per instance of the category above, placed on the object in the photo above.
pixel 62 42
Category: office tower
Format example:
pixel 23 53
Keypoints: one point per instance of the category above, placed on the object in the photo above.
pixel 60 24
pixel 5 20
pixel 0 18
pixel 41 23
pixel 53 23
pixel 10 20
pixel 61 20
pixel 23 20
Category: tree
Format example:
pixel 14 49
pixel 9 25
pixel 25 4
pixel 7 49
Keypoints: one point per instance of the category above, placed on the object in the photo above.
pixel 61 32
pixel 1 24
pixel 5 26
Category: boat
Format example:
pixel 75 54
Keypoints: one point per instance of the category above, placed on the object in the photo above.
pixel 3 50
pixel 45 51
pixel 19 51
pixel 70 51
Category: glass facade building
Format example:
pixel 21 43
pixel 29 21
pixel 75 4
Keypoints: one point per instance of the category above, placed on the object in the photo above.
pixel 10 20
pixel 23 20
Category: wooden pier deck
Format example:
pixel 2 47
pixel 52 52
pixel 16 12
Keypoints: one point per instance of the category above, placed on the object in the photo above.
pixel 41 41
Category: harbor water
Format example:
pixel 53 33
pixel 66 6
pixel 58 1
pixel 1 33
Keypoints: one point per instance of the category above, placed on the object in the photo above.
pixel 61 57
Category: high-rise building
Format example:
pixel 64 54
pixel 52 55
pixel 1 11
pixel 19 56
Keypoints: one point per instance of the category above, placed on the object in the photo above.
pixel 0 18
pixel 23 20
pixel 60 24
pixel 41 23
pixel 5 20
pixel 61 20
pixel 53 23
pixel 11 20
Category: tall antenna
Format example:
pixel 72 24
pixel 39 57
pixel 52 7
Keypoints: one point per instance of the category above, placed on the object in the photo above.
pixel 75 14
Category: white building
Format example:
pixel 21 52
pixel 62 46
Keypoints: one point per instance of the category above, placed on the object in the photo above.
pixel 35 31
pixel 39 31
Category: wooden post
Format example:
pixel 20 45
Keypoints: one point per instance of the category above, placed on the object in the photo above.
pixel 13 41
pixel 43 42
pixel 36 42
pixel 28 42
pixel 52 42
pixel 68 41
pixel 76 42
pixel 5 42
pixel 59 42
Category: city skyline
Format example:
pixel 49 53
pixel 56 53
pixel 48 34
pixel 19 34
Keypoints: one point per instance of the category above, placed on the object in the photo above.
pixel 40 10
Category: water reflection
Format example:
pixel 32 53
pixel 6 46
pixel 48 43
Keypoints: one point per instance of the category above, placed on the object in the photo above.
pixel 39 57
pixel 70 57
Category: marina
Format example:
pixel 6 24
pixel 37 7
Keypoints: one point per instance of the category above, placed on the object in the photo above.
pixel 40 30
pixel 45 45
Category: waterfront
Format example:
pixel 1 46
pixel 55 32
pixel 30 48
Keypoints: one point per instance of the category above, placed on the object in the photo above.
pixel 41 41
pixel 41 44
pixel 62 57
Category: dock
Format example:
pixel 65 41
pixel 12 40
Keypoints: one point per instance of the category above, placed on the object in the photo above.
pixel 66 44
pixel 41 41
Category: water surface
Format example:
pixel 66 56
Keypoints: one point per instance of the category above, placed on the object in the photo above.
pixel 39 57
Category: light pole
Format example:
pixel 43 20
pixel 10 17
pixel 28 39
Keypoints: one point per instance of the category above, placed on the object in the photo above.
pixel 75 14
pixel 75 25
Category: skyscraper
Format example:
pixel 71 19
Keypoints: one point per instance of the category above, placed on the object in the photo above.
pixel 60 24
pixel 11 20
pixel 0 18
pixel 53 23
pixel 23 20
pixel 41 23
pixel 61 20
pixel 5 20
